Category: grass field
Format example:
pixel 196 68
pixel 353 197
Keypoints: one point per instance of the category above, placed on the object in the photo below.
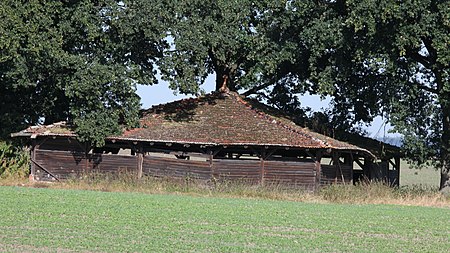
pixel 51 220
pixel 427 176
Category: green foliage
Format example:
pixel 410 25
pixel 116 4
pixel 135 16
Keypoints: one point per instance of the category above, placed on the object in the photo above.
pixel 406 52
pixel 94 126
pixel 228 38
pixel 14 162
pixel 75 220
pixel 388 58
pixel 64 60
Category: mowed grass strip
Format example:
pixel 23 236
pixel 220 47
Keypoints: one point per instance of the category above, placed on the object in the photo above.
pixel 40 220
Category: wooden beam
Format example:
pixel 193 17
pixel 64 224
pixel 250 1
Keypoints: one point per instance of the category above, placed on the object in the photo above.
pixel 262 166
pixel 313 158
pixel 140 162
pixel 318 169
pixel 392 163
pixel 270 153
pixel 213 153
pixel 44 169
pixel 359 163
pixel 350 163
pixel 397 163
pixel 33 158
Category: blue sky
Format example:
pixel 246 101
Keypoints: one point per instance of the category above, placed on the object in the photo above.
pixel 161 93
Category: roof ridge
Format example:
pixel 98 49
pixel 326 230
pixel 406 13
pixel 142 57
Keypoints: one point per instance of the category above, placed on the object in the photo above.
pixel 195 99
pixel 271 118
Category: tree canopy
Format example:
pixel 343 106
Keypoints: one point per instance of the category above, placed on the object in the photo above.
pixel 75 61
pixel 227 38
pixel 373 58
pixel 393 59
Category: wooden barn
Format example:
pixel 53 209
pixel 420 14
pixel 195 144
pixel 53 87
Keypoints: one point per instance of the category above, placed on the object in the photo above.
pixel 219 136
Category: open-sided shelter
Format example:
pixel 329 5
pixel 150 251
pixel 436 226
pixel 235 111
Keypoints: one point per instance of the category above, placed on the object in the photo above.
pixel 219 136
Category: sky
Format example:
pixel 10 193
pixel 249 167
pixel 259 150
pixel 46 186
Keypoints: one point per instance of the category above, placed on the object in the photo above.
pixel 161 93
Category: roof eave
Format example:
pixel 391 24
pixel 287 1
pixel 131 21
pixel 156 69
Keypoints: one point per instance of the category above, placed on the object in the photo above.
pixel 20 134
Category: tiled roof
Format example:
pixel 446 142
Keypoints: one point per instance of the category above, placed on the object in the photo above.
pixel 219 118
pixel 56 129
pixel 225 118
pixel 222 119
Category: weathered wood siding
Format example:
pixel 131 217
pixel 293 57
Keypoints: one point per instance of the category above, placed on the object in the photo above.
pixel 242 170
pixel 61 164
pixel 167 167
pixel 69 164
pixel 65 158
pixel 106 163
pixel 62 144
pixel 333 174
pixel 301 174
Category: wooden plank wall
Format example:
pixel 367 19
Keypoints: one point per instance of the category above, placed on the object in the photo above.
pixel 66 164
pixel 302 174
pixel 332 174
pixel 167 167
pixel 242 170
pixel 288 173
pixel 62 164
pixel 61 144
pixel 70 164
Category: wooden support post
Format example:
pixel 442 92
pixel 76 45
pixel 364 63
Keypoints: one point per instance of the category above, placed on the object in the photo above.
pixel 35 147
pixel 349 161
pixel 86 156
pixel 140 159
pixel 140 162
pixel 397 167
pixel 213 153
pixel 265 155
pixel 211 165
pixel 262 170
pixel 385 170
pixel 335 157
pixel 367 168
pixel 33 158
pixel 318 169
pixel 337 164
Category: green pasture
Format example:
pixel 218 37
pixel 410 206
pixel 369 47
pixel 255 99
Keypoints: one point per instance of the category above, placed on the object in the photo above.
pixel 49 220
pixel 427 176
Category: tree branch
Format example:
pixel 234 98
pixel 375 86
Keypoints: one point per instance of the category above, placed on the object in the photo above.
pixel 426 88
pixel 425 61
pixel 255 89
pixel 431 50
pixel 213 58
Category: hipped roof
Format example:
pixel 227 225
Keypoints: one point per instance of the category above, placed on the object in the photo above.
pixel 219 118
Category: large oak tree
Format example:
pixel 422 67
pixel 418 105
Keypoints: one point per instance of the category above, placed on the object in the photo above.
pixel 374 57
pixel 391 58
pixel 76 61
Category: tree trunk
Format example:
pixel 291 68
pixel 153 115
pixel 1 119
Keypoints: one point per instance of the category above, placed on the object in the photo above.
pixel 223 73
pixel 219 80
pixel 445 154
